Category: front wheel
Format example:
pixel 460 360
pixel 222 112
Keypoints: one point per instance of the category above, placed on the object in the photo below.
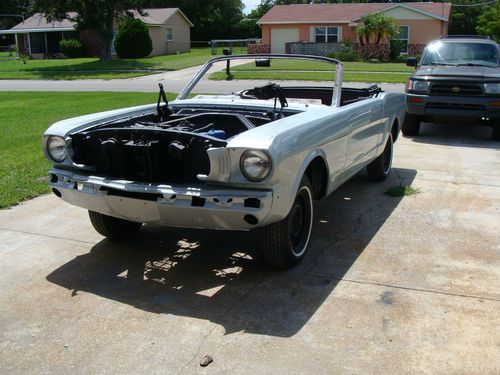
pixel 113 227
pixel 286 242
pixel 411 126
pixel 379 169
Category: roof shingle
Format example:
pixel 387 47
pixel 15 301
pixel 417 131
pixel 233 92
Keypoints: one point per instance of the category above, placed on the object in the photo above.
pixel 346 12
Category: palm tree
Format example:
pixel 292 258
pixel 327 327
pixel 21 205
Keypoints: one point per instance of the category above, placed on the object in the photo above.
pixel 379 25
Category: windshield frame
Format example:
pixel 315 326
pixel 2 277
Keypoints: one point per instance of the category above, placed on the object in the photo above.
pixel 337 83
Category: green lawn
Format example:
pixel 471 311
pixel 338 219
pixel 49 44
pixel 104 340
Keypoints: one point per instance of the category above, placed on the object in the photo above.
pixel 348 76
pixel 356 66
pixel 320 71
pixel 87 68
pixel 25 116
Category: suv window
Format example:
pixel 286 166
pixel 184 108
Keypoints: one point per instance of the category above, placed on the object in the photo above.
pixel 458 53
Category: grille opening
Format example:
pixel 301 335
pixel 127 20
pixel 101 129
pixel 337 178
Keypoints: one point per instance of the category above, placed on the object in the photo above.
pixel 132 194
pixel 197 202
pixel 251 202
pixel 56 192
pixel 53 178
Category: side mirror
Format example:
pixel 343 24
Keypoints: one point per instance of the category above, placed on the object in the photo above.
pixel 411 61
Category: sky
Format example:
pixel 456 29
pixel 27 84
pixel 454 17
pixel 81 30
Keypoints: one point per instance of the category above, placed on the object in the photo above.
pixel 250 5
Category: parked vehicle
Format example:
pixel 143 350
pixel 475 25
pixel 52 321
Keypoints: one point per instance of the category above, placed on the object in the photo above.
pixel 256 158
pixel 457 79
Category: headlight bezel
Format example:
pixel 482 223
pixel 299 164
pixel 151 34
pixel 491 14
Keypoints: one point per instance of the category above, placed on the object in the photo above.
pixel 56 148
pixel 495 85
pixel 413 86
pixel 264 159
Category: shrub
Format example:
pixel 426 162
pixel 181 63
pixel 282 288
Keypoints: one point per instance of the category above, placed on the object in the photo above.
pixel 345 52
pixel 71 47
pixel 132 40
pixel 395 47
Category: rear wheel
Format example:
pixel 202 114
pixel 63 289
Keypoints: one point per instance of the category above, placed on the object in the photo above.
pixel 113 227
pixel 286 242
pixel 411 126
pixel 379 169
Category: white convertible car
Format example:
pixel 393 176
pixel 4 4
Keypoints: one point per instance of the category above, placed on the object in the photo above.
pixel 257 157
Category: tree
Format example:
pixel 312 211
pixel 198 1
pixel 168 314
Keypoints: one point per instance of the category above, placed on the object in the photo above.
pixel 378 25
pixel 93 15
pixel 489 22
pixel 464 18
pixel 133 40
pixel 212 19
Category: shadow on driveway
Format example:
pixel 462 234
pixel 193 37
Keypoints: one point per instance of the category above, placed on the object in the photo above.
pixel 221 277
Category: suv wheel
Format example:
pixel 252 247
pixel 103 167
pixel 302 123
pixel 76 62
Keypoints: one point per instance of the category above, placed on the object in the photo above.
pixel 411 126
pixel 495 135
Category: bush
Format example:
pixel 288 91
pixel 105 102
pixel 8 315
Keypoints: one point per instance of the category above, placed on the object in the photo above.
pixel 71 47
pixel 132 40
pixel 345 52
pixel 395 47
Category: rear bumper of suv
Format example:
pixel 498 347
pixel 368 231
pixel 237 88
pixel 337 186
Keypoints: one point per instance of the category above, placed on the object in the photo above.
pixel 453 106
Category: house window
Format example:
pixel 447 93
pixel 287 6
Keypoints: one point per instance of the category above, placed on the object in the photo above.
pixel 404 36
pixel 325 34
pixel 168 35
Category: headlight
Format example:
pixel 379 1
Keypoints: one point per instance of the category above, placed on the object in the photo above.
pixel 56 148
pixel 492 88
pixel 417 86
pixel 255 165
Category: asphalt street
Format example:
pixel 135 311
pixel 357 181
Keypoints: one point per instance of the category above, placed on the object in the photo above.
pixel 407 285
pixel 173 81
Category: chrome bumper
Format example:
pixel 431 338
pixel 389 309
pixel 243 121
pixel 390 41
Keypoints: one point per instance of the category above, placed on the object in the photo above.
pixel 180 205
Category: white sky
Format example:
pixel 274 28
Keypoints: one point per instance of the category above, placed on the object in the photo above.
pixel 250 5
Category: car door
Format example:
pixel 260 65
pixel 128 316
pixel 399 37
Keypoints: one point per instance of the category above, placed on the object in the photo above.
pixel 366 126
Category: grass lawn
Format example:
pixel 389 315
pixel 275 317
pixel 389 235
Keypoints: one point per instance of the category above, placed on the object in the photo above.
pixel 87 68
pixel 319 71
pixel 25 116
pixel 348 76
pixel 357 66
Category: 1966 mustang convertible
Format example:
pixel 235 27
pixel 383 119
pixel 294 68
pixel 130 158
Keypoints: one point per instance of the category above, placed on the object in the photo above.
pixel 257 157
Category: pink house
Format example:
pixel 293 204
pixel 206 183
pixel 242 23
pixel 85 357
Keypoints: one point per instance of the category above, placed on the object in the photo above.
pixel 325 24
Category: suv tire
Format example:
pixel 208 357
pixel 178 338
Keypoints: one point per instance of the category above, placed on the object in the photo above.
pixel 411 126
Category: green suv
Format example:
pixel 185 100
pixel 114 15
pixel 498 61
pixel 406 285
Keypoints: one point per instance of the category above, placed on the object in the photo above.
pixel 457 80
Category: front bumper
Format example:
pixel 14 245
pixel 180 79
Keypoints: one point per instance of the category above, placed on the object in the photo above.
pixel 453 106
pixel 178 206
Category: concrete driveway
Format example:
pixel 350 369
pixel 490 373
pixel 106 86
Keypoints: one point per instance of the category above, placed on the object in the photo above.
pixel 390 285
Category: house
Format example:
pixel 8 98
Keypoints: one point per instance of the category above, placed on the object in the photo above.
pixel 316 28
pixel 169 30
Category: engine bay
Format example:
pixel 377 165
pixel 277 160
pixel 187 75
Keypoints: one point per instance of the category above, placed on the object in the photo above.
pixel 171 145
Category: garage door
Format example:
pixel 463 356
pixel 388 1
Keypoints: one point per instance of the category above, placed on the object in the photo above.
pixel 281 36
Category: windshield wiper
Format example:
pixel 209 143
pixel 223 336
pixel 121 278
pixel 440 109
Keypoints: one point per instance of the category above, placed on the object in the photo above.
pixel 443 63
pixel 474 64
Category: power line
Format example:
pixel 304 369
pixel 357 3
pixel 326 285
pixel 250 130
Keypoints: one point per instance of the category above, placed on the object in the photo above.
pixel 474 5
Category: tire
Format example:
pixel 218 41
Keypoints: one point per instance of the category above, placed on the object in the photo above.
pixel 285 242
pixel 380 168
pixel 113 227
pixel 495 134
pixel 411 126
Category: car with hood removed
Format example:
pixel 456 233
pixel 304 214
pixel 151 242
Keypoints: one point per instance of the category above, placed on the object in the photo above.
pixel 253 158
pixel 456 80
